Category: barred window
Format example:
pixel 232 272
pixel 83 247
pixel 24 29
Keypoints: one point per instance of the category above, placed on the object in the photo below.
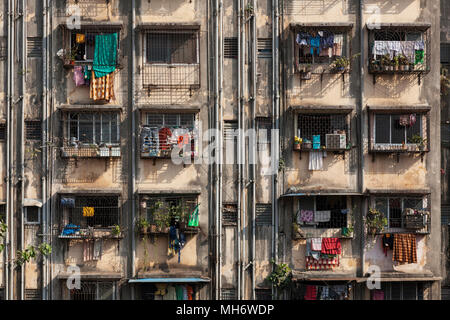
pixel 93 128
pixel 90 211
pixel 32 215
pixel 264 133
pixel 328 211
pixel 393 208
pixel 3 212
pixel 401 290
pixel 163 132
pixel 94 290
pixel 82 44
pixel 33 130
pixel 2 131
pixel 391 129
pixel 171 48
pixel 166 211
pixel 324 125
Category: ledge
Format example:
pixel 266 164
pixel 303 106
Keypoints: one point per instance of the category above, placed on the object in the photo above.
pixel 423 26
pixel 167 26
pixel 400 276
pixel 169 108
pixel 400 108
pixel 89 107
pixel 345 25
pixel 399 191
pixel 92 275
pixel 311 193
pixel 323 276
pixel 194 191
pixel 321 108
pixel 97 24
pixel 90 192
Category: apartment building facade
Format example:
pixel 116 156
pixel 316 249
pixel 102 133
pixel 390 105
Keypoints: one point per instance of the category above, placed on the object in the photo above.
pixel 107 161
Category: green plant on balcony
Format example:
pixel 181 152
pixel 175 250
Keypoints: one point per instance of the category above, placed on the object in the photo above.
pixel 281 276
pixel 142 225
pixel 375 221
pixel 418 140
pixel 3 229
pixel 116 231
pixel 386 62
pixel 342 63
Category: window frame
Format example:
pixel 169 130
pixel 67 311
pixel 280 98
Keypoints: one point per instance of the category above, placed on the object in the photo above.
pixel 386 287
pixel 196 42
pixel 97 284
pixel 391 124
pixel 26 221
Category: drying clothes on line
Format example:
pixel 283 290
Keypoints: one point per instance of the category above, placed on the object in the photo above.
pixel 322 263
pixel 102 88
pixel 311 292
pixel 316 244
pixel 419 45
pixel 179 292
pixel 315 44
pixel 404 120
pixel 322 216
pixel 327 41
pixel 408 49
pixel 377 295
pixel 303 39
pixel 185 294
pixel 164 136
pixel 405 249
pixel 98 246
pixel 70 229
pixel 310 253
pixel 190 292
pixel 68 202
pixel 412 119
pixel 87 73
pixel 88 211
pixel 161 289
pixel 171 293
pixel 105 55
pixel 316 160
pixel 331 246
pixel 78 76
pixel 306 216
pixel 387 243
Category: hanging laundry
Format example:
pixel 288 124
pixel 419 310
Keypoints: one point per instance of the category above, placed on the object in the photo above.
pixel 315 44
pixel 68 202
pixel 405 249
pixel 171 293
pixel 105 55
pixel 316 244
pixel 404 120
pixel 331 246
pixel 377 295
pixel 78 76
pixel 307 216
pixel 185 293
pixel 98 245
pixel 80 38
pixel 408 50
pixel 311 253
pixel 311 292
pixel 338 42
pixel 419 45
pixel 412 119
pixel 322 216
pixel 102 88
pixel 420 55
pixel 387 243
pixel 190 292
pixel 161 289
pixel 193 218
pixel 164 135
pixel 179 292
pixel 88 211
pixel 302 39
pixel 322 263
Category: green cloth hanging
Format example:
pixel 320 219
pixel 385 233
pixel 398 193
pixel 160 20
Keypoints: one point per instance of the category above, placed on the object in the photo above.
pixel 105 56
pixel 179 290
pixel 193 218
pixel 420 54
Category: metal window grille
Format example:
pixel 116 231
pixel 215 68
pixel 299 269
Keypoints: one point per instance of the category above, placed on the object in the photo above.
pixel 394 207
pixel 263 294
pixel 32 215
pixel 335 204
pixel 401 34
pixel 2 294
pixel 84 51
pixel 264 47
pixel 3 48
pixel 389 131
pixel 229 214
pixel 264 133
pixel 402 290
pixel 3 212
pixel 2 131
pixel 230 48
pixel 33 130
pixel 445 214
pixel 228 294
pixel 445 53
pixel 34 47
pixel 163 132
pixel 105 212
pixel 171 60
pixel 263 214
pixel 33 294
pixel 177 209
pixel 322 124
pixel 86 128
pixel 307 54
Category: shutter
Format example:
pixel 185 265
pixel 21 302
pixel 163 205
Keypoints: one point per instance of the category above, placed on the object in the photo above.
pixel 263 214
pixel 445 53
pixel 228 294
pixel 32 294
pixel 34 47
pixel 264 47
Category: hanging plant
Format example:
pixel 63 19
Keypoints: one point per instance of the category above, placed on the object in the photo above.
pixel 281 276
pixel 375 221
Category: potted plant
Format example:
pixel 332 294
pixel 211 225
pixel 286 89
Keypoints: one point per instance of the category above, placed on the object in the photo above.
pixel 297 143
pixel 375 221
pixel 70 56
pixel 404 63
pixel 386 62
pixel 307 144
pixel 115 230
pixel 340 64
pixel 396 63
pixel 305 72
pixel 374 65
pixel 142 225
pixel 418 141
pixel 281 276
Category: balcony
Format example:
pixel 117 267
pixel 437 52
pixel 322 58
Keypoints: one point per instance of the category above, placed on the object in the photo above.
pixel 90 152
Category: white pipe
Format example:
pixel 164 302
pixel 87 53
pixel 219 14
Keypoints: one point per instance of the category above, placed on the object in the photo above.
pixel 216 117
pixel 221 135
pixel 239 96
pixel 22 145
pixel 254 66
pixel 133 146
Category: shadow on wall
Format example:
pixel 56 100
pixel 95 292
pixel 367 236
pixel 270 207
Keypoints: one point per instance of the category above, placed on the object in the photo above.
pixel 317 7
pixel 160 7
pixel 68 171
pixel 165 172
pixel 387 164
pixel 391 86
pixel 165 96
pixel 319 86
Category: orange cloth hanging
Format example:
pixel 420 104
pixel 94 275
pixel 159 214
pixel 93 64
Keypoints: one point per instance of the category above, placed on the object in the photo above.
pixel 102 88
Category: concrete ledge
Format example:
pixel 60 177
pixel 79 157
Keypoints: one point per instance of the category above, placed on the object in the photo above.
pixel 169 191
pixel 407 25
pixel 90 192
pixel 321 108
pixel 323 276
pixel 346 25
pixel 167 26
pixel 400 108
pixel 92 276
pixel 399 191
pixel 89 107
pixel 168 108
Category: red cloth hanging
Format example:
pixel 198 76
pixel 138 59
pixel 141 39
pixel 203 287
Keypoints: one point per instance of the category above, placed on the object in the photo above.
pixel 331 246
pixel 311 293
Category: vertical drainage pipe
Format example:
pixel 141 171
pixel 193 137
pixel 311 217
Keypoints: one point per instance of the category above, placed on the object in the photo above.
pixel 239 155
pixel 217 143
pixel 253 146
pixel 133 145
pixel 22 143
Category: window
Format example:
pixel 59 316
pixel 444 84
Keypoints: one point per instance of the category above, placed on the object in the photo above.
pixel 163 132
pixel 400 291
pixel 32 215
pixel 93 128
pixel 264 133
pixel 178 47
pixel 3 212
pixel 82 44
pixel 229 213
pixel 393 208
pixel 90 211
pixel 264 47
pixel 263 294
pixel 94 290
pixel 323 212
pixel 2 131
pixel 398 49
pixel 320 45
pixel 33 130
pixel 397 129
pixel 333 130
pixel 32 294
pixel 166 211
pixel 230 48
pixel 228 294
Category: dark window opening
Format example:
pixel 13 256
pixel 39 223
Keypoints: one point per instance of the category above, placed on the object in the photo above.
pixel 323 211
pixel 397 129
pixel 167 211
pixel 92 290
pixel 263 294
pixel 2 131
pixel 172 48
pixel 32 215
pixel 320 46
pixel 82 44
pixel 33 130
pixel 399 291
pixel 393 208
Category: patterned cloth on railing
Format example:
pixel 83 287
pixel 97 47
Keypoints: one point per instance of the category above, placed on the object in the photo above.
pixel 321 263
pixel 331 246
pixel 405 249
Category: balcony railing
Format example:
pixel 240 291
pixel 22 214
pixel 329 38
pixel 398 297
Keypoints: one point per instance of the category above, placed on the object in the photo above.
pixel 90 152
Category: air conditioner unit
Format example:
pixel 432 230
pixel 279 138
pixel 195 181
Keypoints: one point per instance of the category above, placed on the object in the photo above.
pixel 336 141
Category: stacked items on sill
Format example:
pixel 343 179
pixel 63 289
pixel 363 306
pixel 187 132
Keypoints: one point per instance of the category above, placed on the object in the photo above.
pixel 403 245
pixel 333 292
pixel 320 43
pixel 322 253
pixel 414 51
pixel 169 292
pixel 159 142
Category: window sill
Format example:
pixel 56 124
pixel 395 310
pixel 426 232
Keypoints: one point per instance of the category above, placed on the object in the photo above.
pixel 86 152
pixel 155 230
pixel 100 233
